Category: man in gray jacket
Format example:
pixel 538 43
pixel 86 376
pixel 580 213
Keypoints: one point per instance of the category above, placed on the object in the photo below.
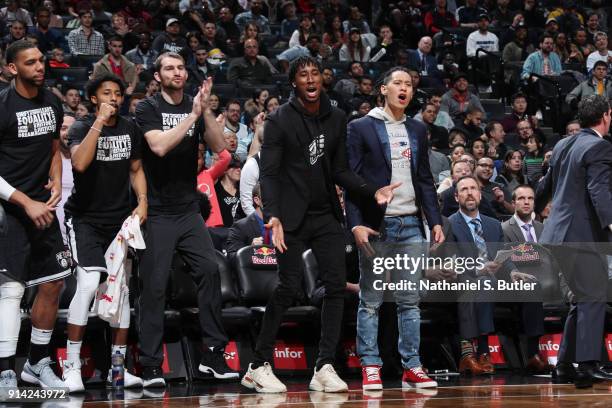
pixel 597 85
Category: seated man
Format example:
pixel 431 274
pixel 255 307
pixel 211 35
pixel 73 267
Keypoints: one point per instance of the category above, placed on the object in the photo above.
pixel 598 84
pixel 252 69
pixel 458 98
pixel 250 230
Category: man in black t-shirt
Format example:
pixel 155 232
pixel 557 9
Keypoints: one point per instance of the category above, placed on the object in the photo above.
pixel 173 123
pixel 105 153
pixel 30 188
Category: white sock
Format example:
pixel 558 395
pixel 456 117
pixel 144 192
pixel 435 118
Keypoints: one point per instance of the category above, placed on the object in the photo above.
pixel 73 351
pixel 121 349
pixel 40 336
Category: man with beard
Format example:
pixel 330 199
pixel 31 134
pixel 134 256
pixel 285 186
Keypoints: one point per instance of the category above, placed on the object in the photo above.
pixel 303 157
pixel 174 124
pixel 30 188
pixel 106 162
pixel 143 54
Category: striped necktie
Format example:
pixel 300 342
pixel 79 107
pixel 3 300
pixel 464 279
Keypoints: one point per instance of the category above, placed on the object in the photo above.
pixel 479 238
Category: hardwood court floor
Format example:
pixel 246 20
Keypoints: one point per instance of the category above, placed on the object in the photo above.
pixel 529 392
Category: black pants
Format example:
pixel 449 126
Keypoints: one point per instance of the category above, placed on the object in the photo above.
pixel 324 234
pixel 188 235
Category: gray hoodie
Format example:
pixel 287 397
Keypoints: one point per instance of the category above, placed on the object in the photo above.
pixel 403 202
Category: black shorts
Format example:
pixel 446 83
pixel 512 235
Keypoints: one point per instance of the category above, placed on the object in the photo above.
pixel 31 255
pixel 88 242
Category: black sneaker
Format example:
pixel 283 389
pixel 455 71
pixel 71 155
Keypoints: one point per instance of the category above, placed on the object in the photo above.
pixel 213 362
pixel 153 377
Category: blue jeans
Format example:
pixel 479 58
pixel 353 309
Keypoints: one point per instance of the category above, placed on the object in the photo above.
pixel 395 230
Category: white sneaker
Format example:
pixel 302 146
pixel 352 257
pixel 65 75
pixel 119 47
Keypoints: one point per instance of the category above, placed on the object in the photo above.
pixel 262 379
pixel 71 374
pixel 327 380
pixel 129 380
pixel 41 374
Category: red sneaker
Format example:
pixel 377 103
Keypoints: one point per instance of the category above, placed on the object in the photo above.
pixel 416 378
pixel 371 378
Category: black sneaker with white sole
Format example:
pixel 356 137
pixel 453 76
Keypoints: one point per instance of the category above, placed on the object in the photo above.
pixel 213 363
pixel 153 377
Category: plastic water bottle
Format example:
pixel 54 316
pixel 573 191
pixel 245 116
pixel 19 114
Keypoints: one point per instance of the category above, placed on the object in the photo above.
pixel 118 370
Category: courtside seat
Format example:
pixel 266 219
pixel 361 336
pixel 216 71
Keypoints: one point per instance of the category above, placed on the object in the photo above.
pixel 183 294
pixel 257 275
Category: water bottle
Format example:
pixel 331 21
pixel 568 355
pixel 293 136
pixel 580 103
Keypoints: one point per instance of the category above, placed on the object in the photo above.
pixel 118 370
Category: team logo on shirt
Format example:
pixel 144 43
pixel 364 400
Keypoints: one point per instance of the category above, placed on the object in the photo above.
pixel 64 259
pixel 171 120
pixel 36 122
pixel 112 148
pixel 407 153
pixel 316 149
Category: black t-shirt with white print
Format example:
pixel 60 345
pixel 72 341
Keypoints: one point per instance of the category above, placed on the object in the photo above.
pixel 27 130
pixel 172 179
pixel 101 194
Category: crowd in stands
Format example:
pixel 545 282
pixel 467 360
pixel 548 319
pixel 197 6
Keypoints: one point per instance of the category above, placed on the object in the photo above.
pixel 495 82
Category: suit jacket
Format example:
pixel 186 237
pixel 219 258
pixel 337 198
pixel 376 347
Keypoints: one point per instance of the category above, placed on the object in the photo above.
pixel 514 233
pixel 578 180
pixel 369 155
pixel 241 234
pixel 431 65
pixel 103 67
pixel 285 170
pixel 493 236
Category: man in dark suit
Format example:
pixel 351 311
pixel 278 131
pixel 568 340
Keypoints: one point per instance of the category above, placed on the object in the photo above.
pixel 388 147
pixel 578 180
pixel 532 259
pixel 248 231
pixel 478 237
pixel 426 64
pixel 303 156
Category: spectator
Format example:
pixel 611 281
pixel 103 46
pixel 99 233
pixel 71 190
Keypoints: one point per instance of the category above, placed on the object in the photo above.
pixel 502 16
pixel 568 52
pixel 17 31
pixel 333 35
pixel 519 113
pixel 320 20
pixel 598 84
pixel 271 104
pixel 313 49
pixel 572 128
pixel 335 98
pixel 525 131
pixel 254 16
pixel 355 20
pixel 212 39
pixel 478 149
pixel 252 69
pixel 456 137
pixel 482 38
pixel 596 8
pixel 422 60
pixel 386 43
pixel 495 134
pixel 438 18
pixel 438 135
pixel 12 12
pixel 544 61
pixel 581 41
pixel 515 51
pixel 249 230
pixel 227 192
pixel 601 54
pixel 48 38
pixel 231 140
pixel 364 93
pixel 206 184
pixel 442 118
pixel 533 15
pixel 83 109
pixel 533 161
pixel 57 59
pixel 101 17
pixel 214 103
pixel 567 16
pixel 229 28
pixel 419 97
pixel 592 27
pixel 355 49
pixel 456 151
pixel 199 71
pixel 252 31
pixel 143 54
pixel 137 19
pixel 170 40
pixel 449 204
pixel 290 23
pixel 232 123
pixel 348 86
pixel 72 99
pixel 512 175
pixel 116 63
pixel 300 36
pixel 120 28
pixel 152 87
pixel 85 40
pixel 55 21
pixel 135 100
pixel 494 193
pixel 257 101
pixel 471 124
pixel 468 15
pixel 457 100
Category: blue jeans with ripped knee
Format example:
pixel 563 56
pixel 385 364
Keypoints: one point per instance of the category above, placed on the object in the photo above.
pixel 395 230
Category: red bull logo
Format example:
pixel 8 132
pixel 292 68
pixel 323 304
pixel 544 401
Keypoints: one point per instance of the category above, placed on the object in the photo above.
pixel 263 256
